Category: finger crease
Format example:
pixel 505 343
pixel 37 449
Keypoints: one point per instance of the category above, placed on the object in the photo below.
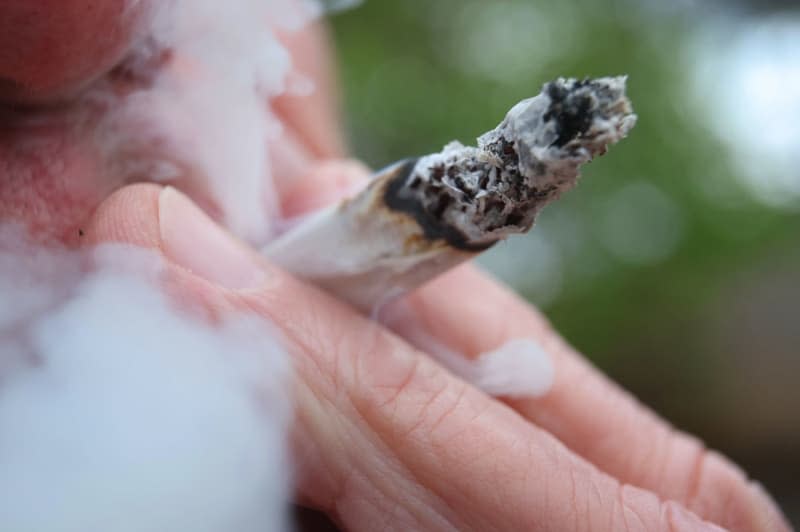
pixel 696 476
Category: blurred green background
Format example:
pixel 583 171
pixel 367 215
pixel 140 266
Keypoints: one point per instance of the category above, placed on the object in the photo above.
pixel 675 265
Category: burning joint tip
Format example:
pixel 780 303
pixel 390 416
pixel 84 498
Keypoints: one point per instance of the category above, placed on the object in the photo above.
pixel 483 194
pixel 597 109
pixel 422 216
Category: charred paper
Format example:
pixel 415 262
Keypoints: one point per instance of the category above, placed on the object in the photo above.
pixel 422 216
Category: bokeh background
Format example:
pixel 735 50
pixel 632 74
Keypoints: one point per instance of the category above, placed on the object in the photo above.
pixel 675 265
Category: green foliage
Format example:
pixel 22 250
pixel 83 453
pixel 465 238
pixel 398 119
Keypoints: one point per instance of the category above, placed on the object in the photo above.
pixel 408 92
pixel 418 74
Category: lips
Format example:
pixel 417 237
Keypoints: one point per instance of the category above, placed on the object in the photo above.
pixel 166 92
pixel 51 49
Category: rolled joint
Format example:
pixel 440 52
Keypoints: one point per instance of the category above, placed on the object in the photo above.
pixel 422 216
pixel 473 197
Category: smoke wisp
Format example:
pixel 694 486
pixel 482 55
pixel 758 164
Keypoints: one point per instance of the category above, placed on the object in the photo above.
pixel 120 412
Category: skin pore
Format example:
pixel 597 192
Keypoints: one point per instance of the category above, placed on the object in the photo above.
pixel 383 437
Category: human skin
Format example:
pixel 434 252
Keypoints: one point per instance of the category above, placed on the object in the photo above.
pixel 384 438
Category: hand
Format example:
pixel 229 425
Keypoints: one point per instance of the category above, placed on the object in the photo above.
pixel 384 437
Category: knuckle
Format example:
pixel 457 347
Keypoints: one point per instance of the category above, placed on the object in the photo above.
pixel 636 509
pixel 442 409
pixel 418 402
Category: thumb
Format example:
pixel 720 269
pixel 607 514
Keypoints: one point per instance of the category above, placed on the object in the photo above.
pixel 163 219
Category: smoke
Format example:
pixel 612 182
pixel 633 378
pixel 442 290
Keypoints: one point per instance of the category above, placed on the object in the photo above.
pixel 119 412
pixel 193 109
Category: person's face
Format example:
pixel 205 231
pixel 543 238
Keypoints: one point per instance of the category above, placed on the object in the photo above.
pixel 54 170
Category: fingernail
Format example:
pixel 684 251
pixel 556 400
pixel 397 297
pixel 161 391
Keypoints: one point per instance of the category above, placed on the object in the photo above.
pixel 678 518
pixel 194 241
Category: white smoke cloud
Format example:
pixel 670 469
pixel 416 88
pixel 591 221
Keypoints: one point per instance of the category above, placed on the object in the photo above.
pixel 198 113
pixel 119 412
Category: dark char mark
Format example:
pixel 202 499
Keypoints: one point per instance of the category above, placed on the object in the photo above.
pixel 432 227
pixel 571 112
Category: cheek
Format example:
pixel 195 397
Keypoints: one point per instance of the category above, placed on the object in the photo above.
pixel 49 49
pixel 50 186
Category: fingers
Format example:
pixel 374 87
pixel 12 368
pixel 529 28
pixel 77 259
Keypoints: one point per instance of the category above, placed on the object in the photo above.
pixel 311 110
pixel 49 49
pixel 466 312
pixel 385 438
pixel 324 184
pixel 584 409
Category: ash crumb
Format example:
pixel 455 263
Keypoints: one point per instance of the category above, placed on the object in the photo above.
pixel 486 193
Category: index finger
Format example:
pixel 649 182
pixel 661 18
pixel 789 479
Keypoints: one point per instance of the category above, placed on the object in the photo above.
pixel 312 110
pixel 309 114
pixel 584 409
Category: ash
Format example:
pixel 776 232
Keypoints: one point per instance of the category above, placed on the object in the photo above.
pixel 486 193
